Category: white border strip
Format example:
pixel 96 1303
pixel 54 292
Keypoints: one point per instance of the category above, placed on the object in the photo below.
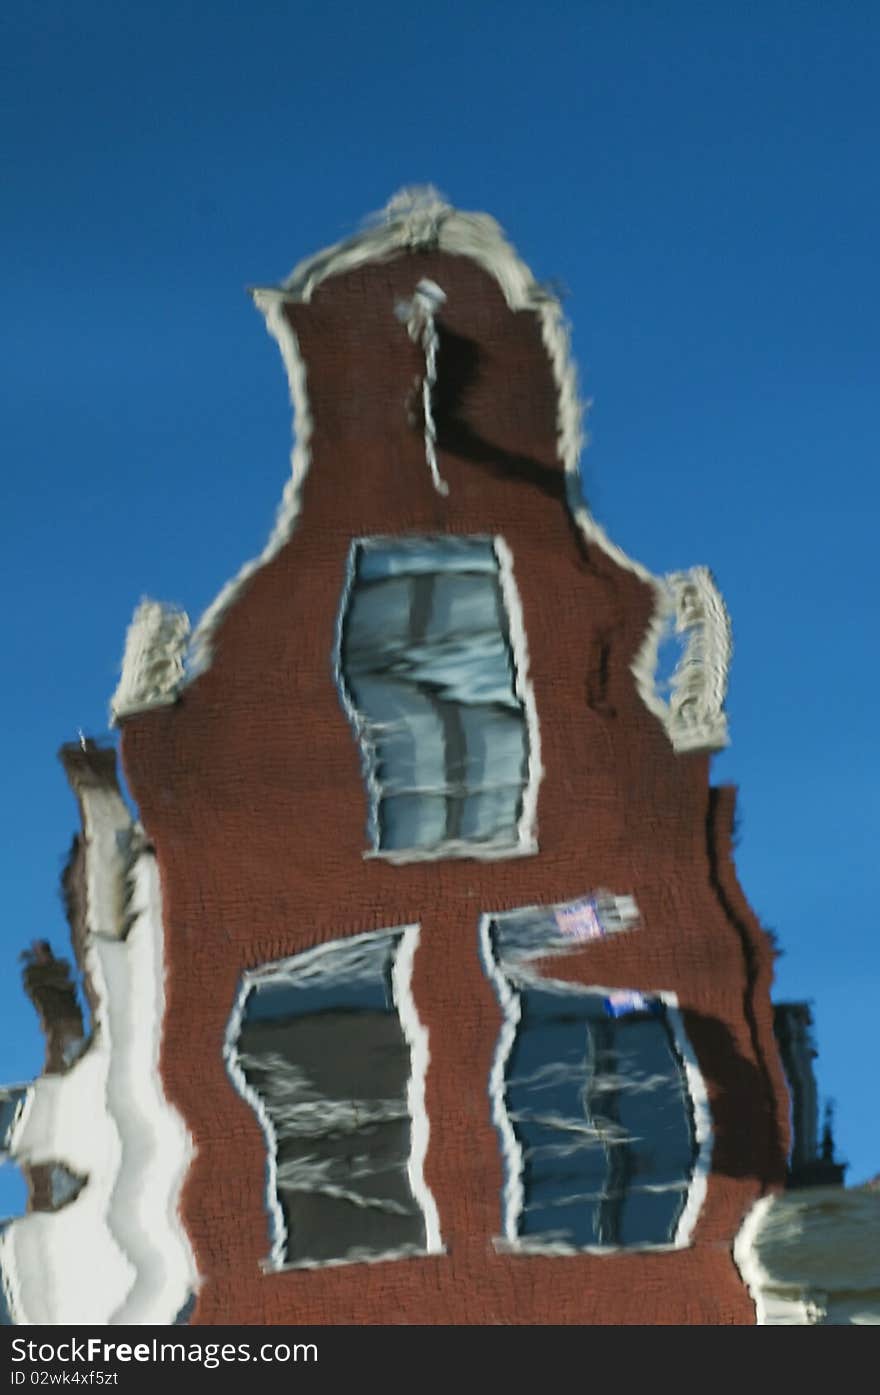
pixel 703 1134
pixel 416 1035
pixel 528 823
pixel 157 1148
pixel 513 1195
pixel 278 1225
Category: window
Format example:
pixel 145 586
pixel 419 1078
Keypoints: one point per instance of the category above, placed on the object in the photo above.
pixel 598 1101
pixel 12 1100
pixel 428 677
pixel 327 1048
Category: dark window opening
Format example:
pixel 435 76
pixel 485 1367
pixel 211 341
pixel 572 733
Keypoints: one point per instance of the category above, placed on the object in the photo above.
pixel 322 1047
pixel 593 1104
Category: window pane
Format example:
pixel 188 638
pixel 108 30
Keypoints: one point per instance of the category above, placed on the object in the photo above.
pixel 413 821
pixel 322 1047
pixel 597 1104
pixel 427 667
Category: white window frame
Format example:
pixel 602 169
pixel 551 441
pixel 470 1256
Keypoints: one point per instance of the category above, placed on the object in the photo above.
pixel 525 843
pixel 416 1037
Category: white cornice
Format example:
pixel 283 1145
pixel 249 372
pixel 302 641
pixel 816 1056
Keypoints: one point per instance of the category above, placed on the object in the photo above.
pixel 813 1256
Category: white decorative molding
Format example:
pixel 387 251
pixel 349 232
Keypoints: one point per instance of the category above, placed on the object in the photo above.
pixel 108 834
pixel 691 609
pixel 117 1253
pixel 699 684
pixel 418 315
pixel 153 662
pixel 812 1256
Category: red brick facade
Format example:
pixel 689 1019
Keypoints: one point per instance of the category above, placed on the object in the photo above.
pixel 250 788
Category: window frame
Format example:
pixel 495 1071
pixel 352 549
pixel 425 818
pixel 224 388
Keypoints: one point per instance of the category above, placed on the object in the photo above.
pixel 507 979
pixel 525 842
pixel 415 1035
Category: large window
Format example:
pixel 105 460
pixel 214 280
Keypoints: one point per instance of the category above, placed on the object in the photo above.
pixel 329 1050
pixel 598 1101
pixel 428 675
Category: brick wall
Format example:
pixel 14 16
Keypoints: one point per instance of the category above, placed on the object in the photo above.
pixel 250 789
